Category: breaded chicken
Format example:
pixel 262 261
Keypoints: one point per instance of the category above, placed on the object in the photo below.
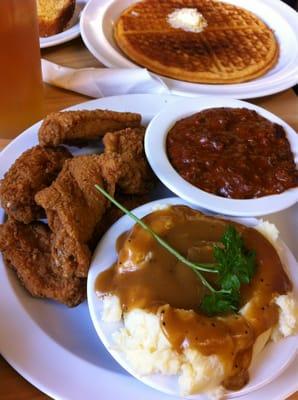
pixel 125 141
pixel 34 170
pixel 136 175
pixel 74 207
pixel 73 127
pixel 27 249
pixel 52 261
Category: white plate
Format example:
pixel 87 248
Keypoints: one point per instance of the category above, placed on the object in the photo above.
pixel 99 16
pixel 155 147
pixel 268 364
pixel 56 348
pixel 70 32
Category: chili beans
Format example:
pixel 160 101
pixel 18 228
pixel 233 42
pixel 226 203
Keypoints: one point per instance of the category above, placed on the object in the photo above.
pixel 232 152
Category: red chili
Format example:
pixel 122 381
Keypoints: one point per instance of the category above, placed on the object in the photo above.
pixel 232 152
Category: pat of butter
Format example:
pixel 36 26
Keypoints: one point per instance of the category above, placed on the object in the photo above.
pixel 188 19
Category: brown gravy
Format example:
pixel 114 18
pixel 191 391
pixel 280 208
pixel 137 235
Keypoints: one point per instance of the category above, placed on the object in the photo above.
pixel 147 276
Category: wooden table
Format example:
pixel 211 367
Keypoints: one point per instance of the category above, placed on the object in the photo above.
pixel 74 54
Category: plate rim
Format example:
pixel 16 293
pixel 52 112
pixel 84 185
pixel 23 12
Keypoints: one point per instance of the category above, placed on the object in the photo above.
pixel 59 38
pixel 180 87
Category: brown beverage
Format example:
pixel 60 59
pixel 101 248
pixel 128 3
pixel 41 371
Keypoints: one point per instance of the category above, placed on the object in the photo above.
pixel 20 72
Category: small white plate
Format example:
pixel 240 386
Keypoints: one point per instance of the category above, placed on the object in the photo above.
pixel 267 365
pixel 155 148
pixel 99 16
pixel 70 32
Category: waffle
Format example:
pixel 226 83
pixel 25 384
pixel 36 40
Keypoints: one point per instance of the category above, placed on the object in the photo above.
pixel 235 47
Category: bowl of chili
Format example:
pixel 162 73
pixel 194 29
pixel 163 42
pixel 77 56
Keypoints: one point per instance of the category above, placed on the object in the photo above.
pixel 225 155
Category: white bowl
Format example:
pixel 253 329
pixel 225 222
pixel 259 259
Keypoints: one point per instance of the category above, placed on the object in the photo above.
pixel 267 365
pixel 155 148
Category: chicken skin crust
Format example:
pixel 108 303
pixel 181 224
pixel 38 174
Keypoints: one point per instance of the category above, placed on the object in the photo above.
pixel 136 175
pixel 27 250
pixel 34 170
pixel 52 261
pixel 77 127
pixel 74 207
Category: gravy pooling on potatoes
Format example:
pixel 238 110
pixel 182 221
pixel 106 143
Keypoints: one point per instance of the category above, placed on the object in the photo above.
pixel 147 276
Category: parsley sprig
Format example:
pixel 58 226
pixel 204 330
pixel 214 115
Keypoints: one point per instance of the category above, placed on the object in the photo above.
pixel 235 265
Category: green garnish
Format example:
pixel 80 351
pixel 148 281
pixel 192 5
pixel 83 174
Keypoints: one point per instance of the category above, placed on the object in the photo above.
pixel 235 265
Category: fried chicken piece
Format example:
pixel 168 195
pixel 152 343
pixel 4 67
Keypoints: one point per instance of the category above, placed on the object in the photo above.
pixel 34 170
pixel 73 127
pixel 74 207
pixel 27 250
pixel 136 175
pixel 125 141
pixel 111 167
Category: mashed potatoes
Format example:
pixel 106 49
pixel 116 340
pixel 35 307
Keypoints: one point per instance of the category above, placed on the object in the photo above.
pixel 148 351
pixel 288 317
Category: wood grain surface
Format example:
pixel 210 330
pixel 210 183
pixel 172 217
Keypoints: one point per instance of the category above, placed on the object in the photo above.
pixel 74 54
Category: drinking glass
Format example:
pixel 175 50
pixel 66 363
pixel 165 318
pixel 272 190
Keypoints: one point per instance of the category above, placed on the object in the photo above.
pixel 21 90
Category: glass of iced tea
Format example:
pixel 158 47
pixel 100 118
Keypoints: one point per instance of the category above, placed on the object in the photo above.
pixel 20 71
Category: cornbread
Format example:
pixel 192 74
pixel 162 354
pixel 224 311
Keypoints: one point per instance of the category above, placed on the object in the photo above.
pixel 233 46
pixel 53 15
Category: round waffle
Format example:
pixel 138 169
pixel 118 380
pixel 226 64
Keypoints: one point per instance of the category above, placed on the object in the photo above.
pixel 236 46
